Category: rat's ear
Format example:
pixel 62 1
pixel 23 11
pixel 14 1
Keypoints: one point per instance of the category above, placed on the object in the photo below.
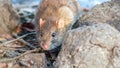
pixel 41 22
pixel 60 23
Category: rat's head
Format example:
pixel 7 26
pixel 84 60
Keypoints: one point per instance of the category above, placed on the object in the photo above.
pixel 50 33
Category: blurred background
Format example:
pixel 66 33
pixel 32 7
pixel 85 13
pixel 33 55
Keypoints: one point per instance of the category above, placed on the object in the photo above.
pixel 84 3
pixel 27 8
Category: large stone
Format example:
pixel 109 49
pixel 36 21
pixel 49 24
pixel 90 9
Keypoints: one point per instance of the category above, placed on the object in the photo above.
pixel 93 46
pixel 108 12
pixel 30 61
pixel 9 19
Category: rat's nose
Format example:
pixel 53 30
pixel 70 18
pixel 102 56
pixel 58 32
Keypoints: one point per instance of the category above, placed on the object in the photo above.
pixel 45 46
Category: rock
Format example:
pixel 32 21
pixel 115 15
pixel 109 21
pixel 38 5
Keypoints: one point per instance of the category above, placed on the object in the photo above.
pixel 108 12
pixel 11 54
pixel 94 46
pixel 3 65
pixel 8 18
pixel 30 61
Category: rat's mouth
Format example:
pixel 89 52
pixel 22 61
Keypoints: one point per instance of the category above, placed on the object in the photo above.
pixel 54 46
pixel 58 48
pixel 50 46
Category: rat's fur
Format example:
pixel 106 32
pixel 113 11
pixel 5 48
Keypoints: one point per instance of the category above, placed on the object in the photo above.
pixel 55 16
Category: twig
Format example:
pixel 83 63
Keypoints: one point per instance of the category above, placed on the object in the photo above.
pixel 6 48
pixel 20 39
pixel 26 43
pixel 7 60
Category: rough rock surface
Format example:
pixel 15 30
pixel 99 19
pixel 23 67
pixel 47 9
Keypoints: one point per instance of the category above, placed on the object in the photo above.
pixel 108 12
pixel 93 46
pixel 8 17
pixel 30 61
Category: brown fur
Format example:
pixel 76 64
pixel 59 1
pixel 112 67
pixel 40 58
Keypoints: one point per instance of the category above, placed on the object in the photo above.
pixel 55 16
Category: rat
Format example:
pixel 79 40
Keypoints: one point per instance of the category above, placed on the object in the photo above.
pixel 53 18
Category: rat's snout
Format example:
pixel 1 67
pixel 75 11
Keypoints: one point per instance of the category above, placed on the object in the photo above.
pixel 45 46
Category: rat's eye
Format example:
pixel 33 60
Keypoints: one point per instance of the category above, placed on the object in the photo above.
pixel 41 34
pixel 53 34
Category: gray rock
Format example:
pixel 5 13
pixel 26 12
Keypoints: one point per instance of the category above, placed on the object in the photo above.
pixel 30 61
pixel 8 17
pixel 94 46
pixel 108 12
